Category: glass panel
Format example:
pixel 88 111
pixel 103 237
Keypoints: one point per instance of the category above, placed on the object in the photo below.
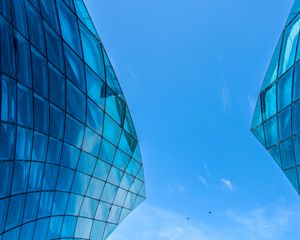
pixel 54 47
pixel 115 176
pixel 284 121
pixel 297 149
pixel 23 61
pixel 114 215
pixel 112 130
pixel 36 176
pixel 133 167
pixel 57 87
pixel 289 45
pixel 296 117
pixel 15 211
pixel 127 143
pixel 50 177
pixel 60 203
pixel 74 68
pixel 36 31
pixel 40 74
pixel 120 197
pixel 68 227
pixel 102 169
pixel 89 207
pixel 95 117
pixel 5 6
pixel 19 13
pixel 271 132
pixel 293 177
pixel 86 163
pixel 74 132
pixel 109 193
pixel 70 156
pixel 296 86
pixel 7 52
pixel 46 203
pixel 27 231
pixel 287 154
pixel 83 228
pixel 32 204
pixel 269 102
pixel 76 102
pixel 111 77
pixel 7 142
pixel 65 179
pixel 55 227
pixel 92 51
pixel 6 178
pixel 25 112
pixel 57 122
pixel 80 184
pixel 259 134
pixel 74 204
pixel 95 88
pixel 21 173
pixel 103 211
pixel 41 229
pixel 121 160
pixel 41 114
pixel 91 142
pixel 54 151
pixel 24 144
pixel 69 26
pixel 95 188
pixel 97 230
pixel 50 13
pixel 8 104
pixel 285 90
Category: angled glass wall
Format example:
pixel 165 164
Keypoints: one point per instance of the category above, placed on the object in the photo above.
pixel 70 163
pixel 276 120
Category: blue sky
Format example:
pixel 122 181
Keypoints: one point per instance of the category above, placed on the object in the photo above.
pixel 191 71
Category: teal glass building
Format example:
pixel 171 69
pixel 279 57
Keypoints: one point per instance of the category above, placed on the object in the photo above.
pixel 276 120
pixel 70 163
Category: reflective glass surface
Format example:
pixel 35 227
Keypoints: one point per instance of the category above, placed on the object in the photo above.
pixel 70 163
pixel 277 114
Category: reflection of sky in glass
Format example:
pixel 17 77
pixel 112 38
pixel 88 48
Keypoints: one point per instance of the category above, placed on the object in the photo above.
pixel 63 119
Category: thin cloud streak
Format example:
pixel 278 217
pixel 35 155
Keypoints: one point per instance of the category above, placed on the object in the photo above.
pixel 227 184
pixel 202 180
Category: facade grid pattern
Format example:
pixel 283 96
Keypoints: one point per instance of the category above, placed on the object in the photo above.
pixel 70 162
pixel 276 120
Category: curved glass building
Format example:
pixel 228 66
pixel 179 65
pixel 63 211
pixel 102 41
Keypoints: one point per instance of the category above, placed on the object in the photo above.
pixel 70 163
pixel 276 120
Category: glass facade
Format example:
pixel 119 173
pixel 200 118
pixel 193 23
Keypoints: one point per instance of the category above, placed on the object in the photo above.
pixel 276 120
pixel 70 163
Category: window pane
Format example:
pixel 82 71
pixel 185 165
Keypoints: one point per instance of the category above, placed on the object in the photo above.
pixel 289 45
pixel 285 90
pixel 69 26
pixel 8 105
pixel 40 74
pixel 57 87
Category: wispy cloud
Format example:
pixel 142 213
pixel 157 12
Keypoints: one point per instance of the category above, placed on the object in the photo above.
pixel 132 74
pixel 202 180
pixel 264 223
pixel 160 224
pixel 206 169
pixel 227 184
pixel 251 102
pixel 225 96
pixel 177 188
